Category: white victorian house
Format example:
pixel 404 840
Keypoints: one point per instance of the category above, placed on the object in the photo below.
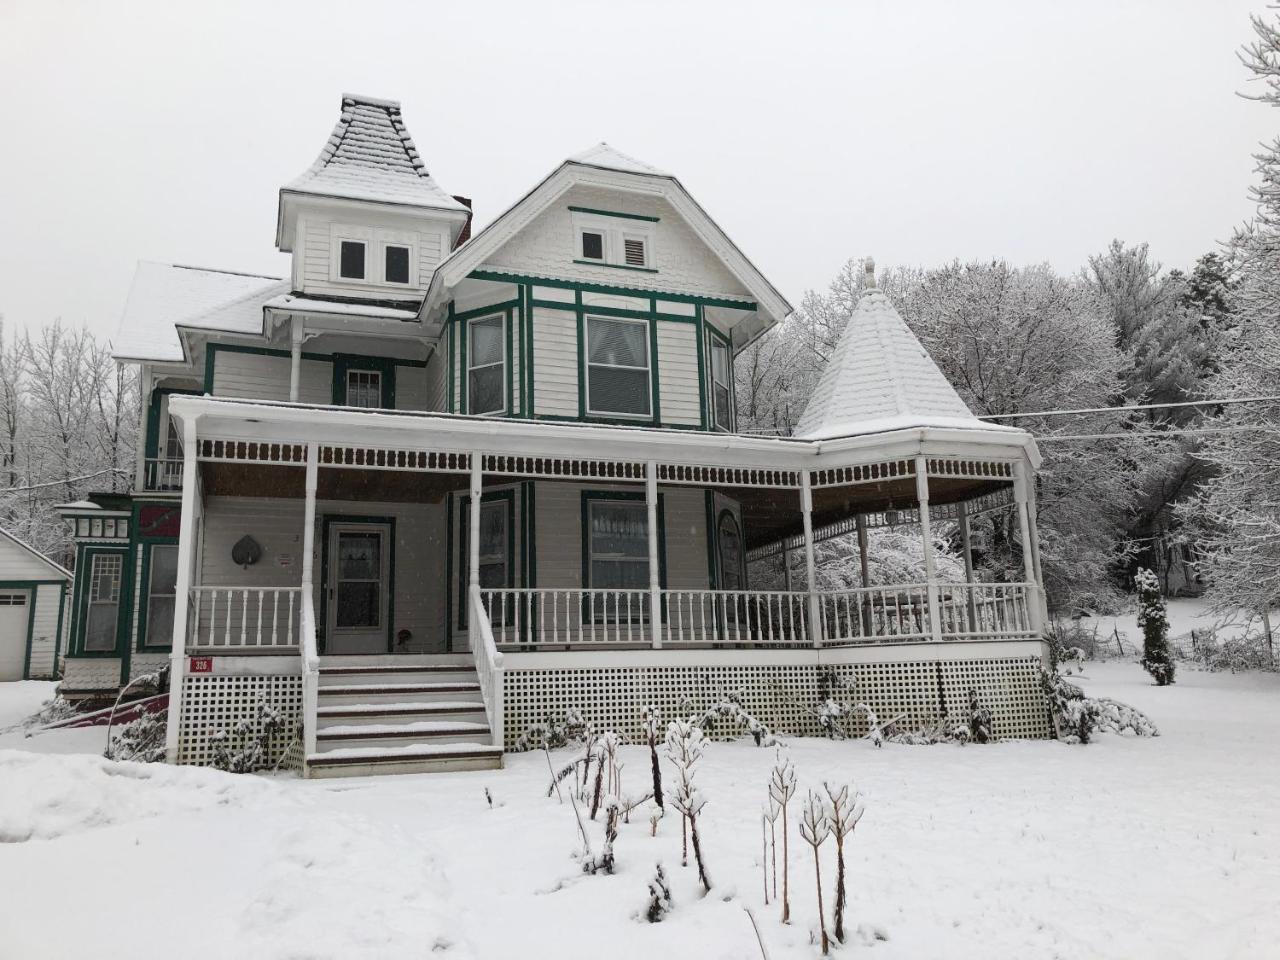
pixel 430 489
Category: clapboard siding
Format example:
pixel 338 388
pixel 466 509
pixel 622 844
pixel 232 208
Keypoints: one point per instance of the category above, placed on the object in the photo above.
pixel 258 376
pixel 411 388
pixel 437 379
pixel 555 359
pixel 44 630
pixel 558 534
pixel 19 563
pixel 312 253
pixel 678 374
pixel 277 526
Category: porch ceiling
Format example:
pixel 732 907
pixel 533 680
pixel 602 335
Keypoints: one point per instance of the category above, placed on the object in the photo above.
pixel 382 486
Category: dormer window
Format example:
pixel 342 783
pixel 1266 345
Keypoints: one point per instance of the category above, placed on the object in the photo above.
pixel 592 245
pixel 396 263
pixel 351 260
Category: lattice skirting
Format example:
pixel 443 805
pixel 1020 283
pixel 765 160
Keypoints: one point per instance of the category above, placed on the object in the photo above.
pixel 212 703
pixel 784 697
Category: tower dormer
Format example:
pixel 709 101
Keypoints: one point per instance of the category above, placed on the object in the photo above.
pixel 366 221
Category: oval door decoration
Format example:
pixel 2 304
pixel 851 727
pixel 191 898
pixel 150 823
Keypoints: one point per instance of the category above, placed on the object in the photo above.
pixel 246 552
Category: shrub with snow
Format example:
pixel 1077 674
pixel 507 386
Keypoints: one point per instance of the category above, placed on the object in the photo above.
pixel 247 746
pixel 1156 658
pixel 660 903
pixel 141 740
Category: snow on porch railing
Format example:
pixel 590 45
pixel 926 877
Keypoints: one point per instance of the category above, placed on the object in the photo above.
pixel 245 617
pixel 739 617
pixel 974 611
pixel 872 614
pixel 162 473
pixel 489 668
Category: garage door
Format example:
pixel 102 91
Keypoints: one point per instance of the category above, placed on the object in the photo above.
pixel 14 609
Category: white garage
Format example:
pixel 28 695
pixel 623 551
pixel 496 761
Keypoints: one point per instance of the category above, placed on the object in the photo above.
pixel 33 593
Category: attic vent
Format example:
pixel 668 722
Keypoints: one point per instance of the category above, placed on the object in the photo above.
pixel 633 251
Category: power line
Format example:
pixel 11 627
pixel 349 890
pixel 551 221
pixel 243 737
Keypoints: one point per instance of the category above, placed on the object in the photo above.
pixel 1136 406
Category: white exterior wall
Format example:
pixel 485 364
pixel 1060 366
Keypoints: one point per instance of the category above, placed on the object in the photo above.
pixel 547 247
pixel 436 376
pixel 47 600
pixel 678 373
pixel 412 389
pixel 312 253
pixel 91 673
pixel 276 524
pixel 555 362
pixel 259 376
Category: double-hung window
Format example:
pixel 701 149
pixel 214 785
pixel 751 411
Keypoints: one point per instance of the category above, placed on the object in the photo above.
pixel 364 388
pixel 395 263
pixel 618 367
pixel 162 587
pixel 721 385
pixel 351 257
pixel 618 545
pixel 103 602
pixel 486 365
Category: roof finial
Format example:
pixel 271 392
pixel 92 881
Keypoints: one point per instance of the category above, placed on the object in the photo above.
pixel 869 273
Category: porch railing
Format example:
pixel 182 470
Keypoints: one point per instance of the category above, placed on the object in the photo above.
pixel 488 661
pixel 162 473
pixel 902 613
pixel 246 617
pixel 739 617
pixel 971 611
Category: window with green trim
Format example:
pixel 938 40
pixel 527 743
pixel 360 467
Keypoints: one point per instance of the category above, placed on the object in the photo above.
pixel 618 367
pixel 617 545
pixel 162 589
pixel 486 365
pixel 364 388
pixel 721 385
pixel 102 602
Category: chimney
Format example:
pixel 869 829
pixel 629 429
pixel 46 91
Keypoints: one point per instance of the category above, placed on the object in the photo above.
pixel 465 234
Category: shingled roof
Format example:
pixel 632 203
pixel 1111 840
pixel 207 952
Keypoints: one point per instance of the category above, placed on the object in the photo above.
pixel 370 156
pixel 610 158
pixel 880 378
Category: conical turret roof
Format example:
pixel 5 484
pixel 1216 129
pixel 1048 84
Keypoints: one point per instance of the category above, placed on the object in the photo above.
pixel 880 378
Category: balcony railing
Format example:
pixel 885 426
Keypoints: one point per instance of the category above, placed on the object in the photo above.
pixel 245 618
pixel 162 473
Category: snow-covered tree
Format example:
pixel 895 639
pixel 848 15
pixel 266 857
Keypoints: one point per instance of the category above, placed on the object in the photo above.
pixel 1152 620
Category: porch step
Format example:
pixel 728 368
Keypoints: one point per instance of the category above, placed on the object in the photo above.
pixel 401 674
pixel 358 714
pixel 389 693
pixel 394 734
pixel 410 758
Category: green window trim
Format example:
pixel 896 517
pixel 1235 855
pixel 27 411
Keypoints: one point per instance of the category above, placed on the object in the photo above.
pixel 84 571
pixel 151 448
pixel 614 213
pixel 343 363
pixel 589 496
pixel 714 337
pixel 506 497
pixel 213 349
pixel 145 548
pixel 616 266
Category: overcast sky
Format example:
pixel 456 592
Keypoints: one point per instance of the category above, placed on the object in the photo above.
pixel 915 131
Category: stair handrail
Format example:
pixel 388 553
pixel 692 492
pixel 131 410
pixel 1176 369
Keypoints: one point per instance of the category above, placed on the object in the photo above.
pixel 489 668
pixel 310 674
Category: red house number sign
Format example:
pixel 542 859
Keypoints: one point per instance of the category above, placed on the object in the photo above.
pixel 201 665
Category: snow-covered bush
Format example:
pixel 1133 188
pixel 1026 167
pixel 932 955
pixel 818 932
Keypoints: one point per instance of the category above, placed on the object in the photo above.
pixel 1152 620
pixel 141 740
pixel 552 733
pixel 979 719
pixel 651 717
pixel 1078 717
pixel 660 903
pixel 728 711
pixel 685 743
pixel 843 813
pixel 814 830
pixel 247 746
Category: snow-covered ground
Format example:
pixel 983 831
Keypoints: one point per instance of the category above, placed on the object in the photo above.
pixel 1127 848
pixel 1184 615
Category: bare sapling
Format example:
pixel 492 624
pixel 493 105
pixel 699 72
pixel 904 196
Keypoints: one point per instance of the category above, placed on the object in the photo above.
pixel 843 812
pixel 597 792
pixel 782 786
pixel 771 811
pixel 652 717
pixel 685 742
pixel 660 902
pixel 814 829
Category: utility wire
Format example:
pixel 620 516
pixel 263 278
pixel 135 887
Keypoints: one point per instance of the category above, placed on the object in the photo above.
pixel 1136 406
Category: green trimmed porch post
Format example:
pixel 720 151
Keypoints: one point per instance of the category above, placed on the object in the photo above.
pixel 806 515
pixel 926 534
pixel 655 581
pixel 182 591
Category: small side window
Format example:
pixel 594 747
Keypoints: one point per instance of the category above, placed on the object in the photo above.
pixel 592 245
pixel 721 385
pixel 364 389
pixel 351 260
pixel 397 264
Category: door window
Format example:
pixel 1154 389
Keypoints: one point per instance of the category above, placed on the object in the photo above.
pixel 359 579
pixel 103 604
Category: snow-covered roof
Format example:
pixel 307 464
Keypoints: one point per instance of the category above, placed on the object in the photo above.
pixel 370 156
pixel 609 158
pixel 880 378
pixel 165 296
pixel 288 301
pixel 56 568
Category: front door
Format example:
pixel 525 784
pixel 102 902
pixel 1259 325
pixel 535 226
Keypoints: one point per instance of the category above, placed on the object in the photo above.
pixel 358 588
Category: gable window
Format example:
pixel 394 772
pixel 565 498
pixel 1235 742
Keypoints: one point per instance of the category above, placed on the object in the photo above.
pixel 396 263
pixel 162 586
pixel 721 385
pixel 364 389
pixel 486 365
pixel 618 545
pixel 634 251
pixel 351 259
pixel 618 373
pixel 103 602
pixel 592 245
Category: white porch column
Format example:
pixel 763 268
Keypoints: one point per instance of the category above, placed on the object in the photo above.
pixel 1028 557
pixel 966 547
pixel 140 442
pixel 806 513
pixel 473 531
pixel 860 521
pixel 182 591
pixel 786 567
pixel 309 520
pixel 926 532
pixel 655 580
pixel 295 357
